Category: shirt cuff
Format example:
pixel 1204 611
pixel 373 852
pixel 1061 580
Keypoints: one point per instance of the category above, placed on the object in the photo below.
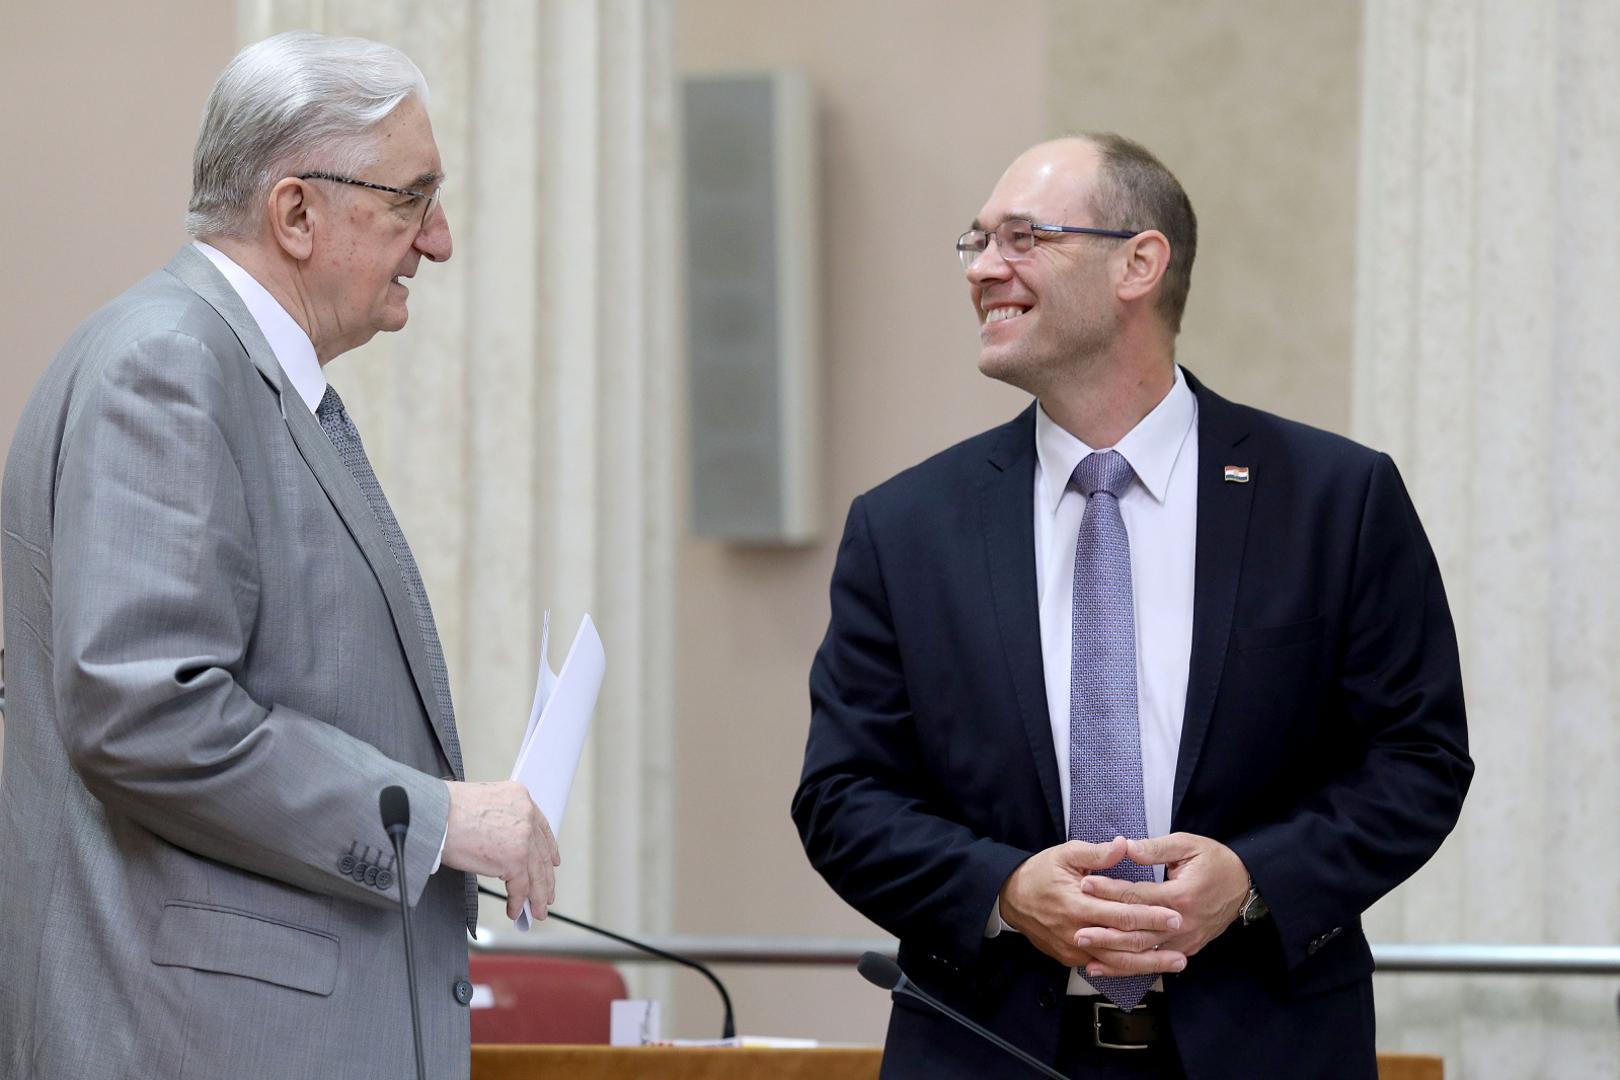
pixel 996 926
pixel 439 858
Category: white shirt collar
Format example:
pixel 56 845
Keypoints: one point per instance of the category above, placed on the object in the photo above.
pixel 1151 447
pixel 294 351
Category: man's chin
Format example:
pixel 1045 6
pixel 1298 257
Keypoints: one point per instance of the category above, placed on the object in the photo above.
pixel 1005 366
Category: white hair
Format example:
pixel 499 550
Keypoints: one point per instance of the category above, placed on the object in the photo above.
pixel 297 102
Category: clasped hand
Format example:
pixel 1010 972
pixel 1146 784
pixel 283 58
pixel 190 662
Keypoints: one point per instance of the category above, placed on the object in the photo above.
pixel 1059 900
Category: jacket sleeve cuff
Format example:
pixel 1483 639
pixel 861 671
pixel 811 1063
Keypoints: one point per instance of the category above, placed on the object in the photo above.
pixel 430 824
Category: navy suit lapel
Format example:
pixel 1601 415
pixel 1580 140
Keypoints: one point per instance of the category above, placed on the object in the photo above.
pixel 1223 525
pixel 193 268
pixel 1007 504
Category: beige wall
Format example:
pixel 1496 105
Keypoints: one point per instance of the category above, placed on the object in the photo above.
pixel 101 107
pixel 914 133
pixel 1254 105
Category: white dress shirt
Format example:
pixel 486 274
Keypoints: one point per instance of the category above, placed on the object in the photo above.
pixel 1160 511
pixel 294 352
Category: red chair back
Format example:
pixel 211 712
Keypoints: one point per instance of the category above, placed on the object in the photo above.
pixel 541 999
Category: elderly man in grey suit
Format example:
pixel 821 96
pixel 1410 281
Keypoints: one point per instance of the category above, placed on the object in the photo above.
pixel 220 647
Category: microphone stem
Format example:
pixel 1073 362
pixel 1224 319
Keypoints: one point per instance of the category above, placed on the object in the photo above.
pixel 728 1028
pixel 410 949
pixel 911 990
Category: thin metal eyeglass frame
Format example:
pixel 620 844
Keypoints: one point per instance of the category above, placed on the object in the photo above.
pixel 968 254
pixel 432 199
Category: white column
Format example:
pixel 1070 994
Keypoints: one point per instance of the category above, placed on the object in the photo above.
pixel 523 423
pixel 1485 361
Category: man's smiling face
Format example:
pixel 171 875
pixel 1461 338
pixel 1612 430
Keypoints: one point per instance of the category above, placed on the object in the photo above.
pixel 1054 305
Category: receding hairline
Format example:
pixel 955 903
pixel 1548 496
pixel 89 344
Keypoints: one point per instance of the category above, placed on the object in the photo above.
pixel 1069 153
pixel 1065 151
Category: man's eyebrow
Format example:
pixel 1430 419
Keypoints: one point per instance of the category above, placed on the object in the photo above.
pixel 1016 215
pixel 427 179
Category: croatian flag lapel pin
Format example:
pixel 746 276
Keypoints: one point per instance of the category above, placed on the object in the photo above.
pixel 1237 474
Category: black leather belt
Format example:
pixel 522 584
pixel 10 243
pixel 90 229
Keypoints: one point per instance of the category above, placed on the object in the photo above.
pixel 1104 1024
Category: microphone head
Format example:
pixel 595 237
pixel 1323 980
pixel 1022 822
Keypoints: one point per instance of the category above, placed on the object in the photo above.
pixel 879 970
pixel 395 807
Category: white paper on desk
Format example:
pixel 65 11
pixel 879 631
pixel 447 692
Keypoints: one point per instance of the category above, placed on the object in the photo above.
pixel 559 720
pixel 752 1042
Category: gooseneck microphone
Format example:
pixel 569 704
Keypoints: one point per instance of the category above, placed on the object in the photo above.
pixel 728 1028
pixel 395 806
pixel 879 970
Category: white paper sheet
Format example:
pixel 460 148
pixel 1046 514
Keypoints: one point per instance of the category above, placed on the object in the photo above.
pixel 559 720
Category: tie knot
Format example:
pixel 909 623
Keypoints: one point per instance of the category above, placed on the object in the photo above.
pixel 330 406
pixel 1107 472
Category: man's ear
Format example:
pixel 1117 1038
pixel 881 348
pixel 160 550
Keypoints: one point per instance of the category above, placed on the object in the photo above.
pixel 1147 257
pixel 292 217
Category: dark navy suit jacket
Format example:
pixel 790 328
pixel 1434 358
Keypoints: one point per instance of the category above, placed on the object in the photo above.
pixel 1324 739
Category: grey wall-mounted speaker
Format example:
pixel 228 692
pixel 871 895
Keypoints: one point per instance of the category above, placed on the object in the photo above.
pixel 753 308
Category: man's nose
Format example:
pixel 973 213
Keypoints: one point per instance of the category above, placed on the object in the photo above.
pixel 433 239
pixel 988 265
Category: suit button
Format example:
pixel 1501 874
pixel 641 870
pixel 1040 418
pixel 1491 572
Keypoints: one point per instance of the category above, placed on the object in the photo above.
pixel 1048 997
pixel 463 991
pixel 1310 950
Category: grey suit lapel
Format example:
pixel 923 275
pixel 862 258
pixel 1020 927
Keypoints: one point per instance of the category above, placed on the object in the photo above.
pixel 1007 501
pixel 194 269
pixel 351 505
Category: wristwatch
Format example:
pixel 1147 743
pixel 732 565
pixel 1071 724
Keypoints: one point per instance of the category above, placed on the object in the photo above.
pixel 1254 907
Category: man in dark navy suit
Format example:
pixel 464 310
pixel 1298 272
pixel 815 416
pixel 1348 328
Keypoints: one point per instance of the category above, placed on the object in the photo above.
pixel 1129 708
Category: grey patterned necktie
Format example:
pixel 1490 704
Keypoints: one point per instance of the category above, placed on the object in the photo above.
pixel 1105 744
pixel 345 439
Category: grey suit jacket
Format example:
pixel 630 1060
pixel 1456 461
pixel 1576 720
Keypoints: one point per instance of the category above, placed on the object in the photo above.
pixel 212 670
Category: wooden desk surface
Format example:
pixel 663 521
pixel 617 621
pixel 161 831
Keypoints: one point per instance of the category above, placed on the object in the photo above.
pixel 671 1063
pixel 736 1063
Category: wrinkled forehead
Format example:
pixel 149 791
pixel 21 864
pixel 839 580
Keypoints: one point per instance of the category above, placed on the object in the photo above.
pixel 1050 183
pixel 404 146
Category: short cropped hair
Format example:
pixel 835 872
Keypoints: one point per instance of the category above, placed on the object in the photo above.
pixel 1134 192
pixel 296 102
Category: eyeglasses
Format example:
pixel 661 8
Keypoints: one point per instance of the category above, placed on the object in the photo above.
pixel 1015 238
pixel 430 199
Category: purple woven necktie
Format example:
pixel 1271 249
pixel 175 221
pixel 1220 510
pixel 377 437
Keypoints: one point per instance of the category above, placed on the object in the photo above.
pixel 345 437
pixel 1105 742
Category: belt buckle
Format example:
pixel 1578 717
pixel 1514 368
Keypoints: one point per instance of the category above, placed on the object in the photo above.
pixel 1097 1008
